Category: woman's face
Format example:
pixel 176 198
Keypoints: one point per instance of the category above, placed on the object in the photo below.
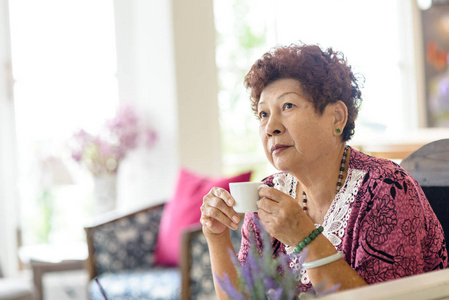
pixel 293 134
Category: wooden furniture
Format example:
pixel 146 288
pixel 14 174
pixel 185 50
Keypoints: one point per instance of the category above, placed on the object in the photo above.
pixel 391 151
pixel 45 258
pixel 197 280
pixel 41 267
pixel 428 286
pixel 112 243
pixel 108 225
pixel 16 289
pixel 429 164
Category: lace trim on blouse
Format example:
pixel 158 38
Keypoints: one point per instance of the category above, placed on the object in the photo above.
pixel 336 218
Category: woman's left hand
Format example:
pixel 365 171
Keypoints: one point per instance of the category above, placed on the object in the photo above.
pixel 282 216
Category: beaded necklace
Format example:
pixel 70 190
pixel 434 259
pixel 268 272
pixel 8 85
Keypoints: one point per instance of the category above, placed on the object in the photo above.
pixel 340 178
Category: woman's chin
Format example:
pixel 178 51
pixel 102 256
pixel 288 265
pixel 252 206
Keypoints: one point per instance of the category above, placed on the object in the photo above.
pixel 283 167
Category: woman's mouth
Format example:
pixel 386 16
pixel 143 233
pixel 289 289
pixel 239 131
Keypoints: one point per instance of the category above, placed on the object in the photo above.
pixel 278 148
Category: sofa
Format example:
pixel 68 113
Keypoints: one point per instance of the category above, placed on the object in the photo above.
pixel 12 288
pixel 126 255
pixel 16 289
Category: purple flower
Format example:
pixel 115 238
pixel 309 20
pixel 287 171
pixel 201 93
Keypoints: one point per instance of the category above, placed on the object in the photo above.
pixel 226 284
pixel 270 283
pixel 247 275
pixel 102 153
pixel 264 276
pixel 259 277
pixel 150 137
pixel 275 293
pixel 125 127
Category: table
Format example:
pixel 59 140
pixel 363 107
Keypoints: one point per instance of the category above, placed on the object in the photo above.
pixel 46 258
pixel 41 267
pixel 430 286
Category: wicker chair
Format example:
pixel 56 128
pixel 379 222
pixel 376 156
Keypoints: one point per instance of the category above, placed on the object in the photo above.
pixel 121 256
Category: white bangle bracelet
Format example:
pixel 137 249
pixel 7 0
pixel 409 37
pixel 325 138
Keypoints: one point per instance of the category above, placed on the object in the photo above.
pixel 322 261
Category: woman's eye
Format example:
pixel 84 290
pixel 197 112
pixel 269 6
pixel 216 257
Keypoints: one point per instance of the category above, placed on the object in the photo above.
pixel 262 115
pixel 288 105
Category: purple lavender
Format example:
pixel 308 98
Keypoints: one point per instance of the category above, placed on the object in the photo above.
pixel 259 276
pixel 263 276
pixel 229 288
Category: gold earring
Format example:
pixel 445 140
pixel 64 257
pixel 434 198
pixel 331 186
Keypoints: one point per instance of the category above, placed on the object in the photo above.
pixel 338 130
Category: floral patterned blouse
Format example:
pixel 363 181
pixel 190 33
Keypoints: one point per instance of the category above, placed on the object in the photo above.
pixel 380 219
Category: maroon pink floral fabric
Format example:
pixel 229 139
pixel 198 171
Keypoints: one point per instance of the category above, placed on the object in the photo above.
pixel 390 230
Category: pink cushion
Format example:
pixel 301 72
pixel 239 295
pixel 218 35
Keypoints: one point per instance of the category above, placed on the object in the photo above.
pixel 183 210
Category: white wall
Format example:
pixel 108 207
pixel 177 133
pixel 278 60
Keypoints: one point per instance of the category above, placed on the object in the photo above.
pixel 145 79
pixel 8 193
pixel 166 66
pixel 197 85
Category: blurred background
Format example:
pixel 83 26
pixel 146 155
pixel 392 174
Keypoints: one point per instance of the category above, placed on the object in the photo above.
pixel 156 85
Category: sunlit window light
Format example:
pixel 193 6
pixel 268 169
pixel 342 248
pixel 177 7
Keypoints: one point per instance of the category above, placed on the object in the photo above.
pixel 64 66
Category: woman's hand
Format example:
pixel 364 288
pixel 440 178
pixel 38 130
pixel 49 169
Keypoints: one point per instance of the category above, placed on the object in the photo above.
pixel 282 216
pixel 217 213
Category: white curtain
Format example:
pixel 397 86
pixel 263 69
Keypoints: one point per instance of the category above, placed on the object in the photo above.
pixel 8 166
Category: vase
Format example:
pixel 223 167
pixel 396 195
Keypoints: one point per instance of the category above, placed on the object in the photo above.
pixel 105 192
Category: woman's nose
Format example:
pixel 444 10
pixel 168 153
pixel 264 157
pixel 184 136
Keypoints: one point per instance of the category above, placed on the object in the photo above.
pixel 273 127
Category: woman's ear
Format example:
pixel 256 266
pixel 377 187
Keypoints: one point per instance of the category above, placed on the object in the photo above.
pixel 340 116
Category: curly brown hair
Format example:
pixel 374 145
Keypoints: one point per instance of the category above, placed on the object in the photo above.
pixel 324 75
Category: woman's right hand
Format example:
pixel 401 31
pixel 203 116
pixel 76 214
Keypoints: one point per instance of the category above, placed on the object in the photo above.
pixel 217 213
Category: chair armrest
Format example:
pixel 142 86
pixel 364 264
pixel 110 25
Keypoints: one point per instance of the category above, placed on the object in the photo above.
pixel 190 236
pixel 429 165
pixel 197 279
pixel 123 241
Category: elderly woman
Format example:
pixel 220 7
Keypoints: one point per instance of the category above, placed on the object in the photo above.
pixel 363 219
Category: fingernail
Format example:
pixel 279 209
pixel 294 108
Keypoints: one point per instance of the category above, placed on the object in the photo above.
pixel 261 186
pixel 235 219
pixel 234 226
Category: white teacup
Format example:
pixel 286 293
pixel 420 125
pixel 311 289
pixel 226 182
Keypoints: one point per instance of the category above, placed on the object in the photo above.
pixel 246 195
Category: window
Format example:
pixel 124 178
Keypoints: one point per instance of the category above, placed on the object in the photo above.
pixel 63 56
pixel 242 29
